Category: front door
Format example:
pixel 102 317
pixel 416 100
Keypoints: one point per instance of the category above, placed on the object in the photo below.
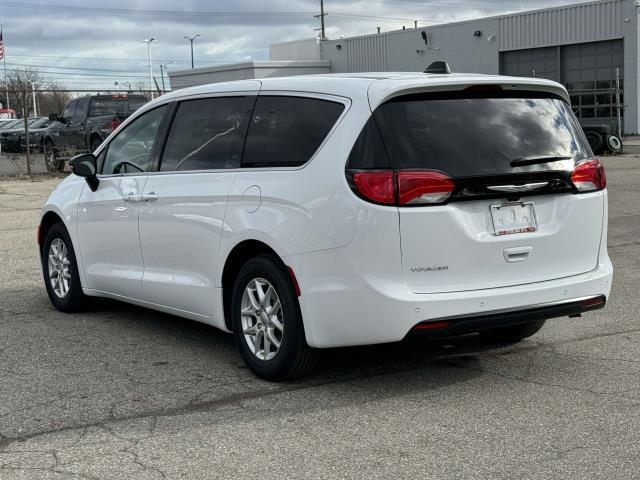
pixel 108 218
pixel 182 220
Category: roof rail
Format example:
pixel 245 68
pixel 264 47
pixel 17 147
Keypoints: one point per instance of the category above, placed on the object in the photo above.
pixel 440 66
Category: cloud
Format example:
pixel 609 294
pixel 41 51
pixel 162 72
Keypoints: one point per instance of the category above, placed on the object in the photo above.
pixel 86 45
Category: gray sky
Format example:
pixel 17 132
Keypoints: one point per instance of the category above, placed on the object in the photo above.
pixel 88 46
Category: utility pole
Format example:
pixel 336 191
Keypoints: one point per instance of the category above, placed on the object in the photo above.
pixel 163 67
pixel 191 39
pixel 148 42
pixel 321 17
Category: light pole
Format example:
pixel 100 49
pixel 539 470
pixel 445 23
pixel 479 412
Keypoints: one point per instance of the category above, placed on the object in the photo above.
pixel 191 39
pixel 163 67
pixel 148 42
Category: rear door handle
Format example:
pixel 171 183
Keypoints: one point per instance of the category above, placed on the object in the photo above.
pixel 136 198
pixel 517 254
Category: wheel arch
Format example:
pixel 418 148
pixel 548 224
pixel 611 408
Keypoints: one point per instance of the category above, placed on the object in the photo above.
pixel 238 255
pixel 49 219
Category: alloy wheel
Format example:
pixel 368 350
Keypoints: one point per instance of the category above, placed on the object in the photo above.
pixel 59 268
pixel 262 319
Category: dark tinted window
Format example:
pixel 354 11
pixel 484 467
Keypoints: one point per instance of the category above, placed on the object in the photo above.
pixel 116 105
pixel 131 151
pixel 479 134
pixel 207 134
pixel 368 152
pixel 286 131
pixel 81 110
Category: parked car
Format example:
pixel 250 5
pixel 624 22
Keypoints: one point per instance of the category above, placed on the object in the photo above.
pixel 37 132
pixel 13 138
pixel 84 123
pixel 326 211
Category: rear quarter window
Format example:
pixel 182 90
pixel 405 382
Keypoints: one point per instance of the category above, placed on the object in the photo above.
pixel 286 131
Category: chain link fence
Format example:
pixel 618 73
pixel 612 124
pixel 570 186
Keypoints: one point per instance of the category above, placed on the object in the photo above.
pixel 41 129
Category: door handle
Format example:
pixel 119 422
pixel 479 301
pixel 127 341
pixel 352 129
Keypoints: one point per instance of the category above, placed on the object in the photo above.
pixel 136 198
pixel 517 254
pixel 148 197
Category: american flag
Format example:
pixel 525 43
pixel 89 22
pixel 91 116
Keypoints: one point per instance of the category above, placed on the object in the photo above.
pixel 1 46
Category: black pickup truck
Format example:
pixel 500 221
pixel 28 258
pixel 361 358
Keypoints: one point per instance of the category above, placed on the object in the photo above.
pixel 84 124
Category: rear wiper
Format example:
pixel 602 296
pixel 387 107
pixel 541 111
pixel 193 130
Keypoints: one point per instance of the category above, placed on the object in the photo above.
pixel 524 161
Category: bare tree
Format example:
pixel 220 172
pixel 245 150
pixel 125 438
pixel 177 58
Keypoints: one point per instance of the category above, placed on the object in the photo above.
pixel 19 83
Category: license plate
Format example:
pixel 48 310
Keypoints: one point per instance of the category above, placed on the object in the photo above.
pixel 510 218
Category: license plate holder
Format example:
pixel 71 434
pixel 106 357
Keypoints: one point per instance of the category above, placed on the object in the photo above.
pixel 514 217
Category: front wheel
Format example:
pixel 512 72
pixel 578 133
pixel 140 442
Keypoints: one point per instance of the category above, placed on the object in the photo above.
pixel 60 270
pixel 512 333
pixel 51 160
pixel 614 144
pixel 267 323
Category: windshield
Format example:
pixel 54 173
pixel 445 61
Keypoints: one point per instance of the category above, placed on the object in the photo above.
pixel 116 105
pixel 476 134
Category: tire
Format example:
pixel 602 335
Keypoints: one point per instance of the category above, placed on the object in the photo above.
pixel 293 358
pixel 51 160
pixel 513 333
pixel 595 141
pixel 614 144
pixel 71 300
pixel 95 143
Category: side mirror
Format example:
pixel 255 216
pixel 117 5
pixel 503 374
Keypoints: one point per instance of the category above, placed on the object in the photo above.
pixel 84 165
pixel 54 117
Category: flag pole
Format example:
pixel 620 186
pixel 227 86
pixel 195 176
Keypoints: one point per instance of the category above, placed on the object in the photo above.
pixel 4 63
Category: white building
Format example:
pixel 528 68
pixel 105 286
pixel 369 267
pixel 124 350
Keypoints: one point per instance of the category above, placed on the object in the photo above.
pixel 589 47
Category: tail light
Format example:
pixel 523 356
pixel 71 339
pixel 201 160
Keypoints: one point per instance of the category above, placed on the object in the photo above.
pixel 420 188
pixel 376 186
pixel 588 176
pixel 114 124
pixel 404 187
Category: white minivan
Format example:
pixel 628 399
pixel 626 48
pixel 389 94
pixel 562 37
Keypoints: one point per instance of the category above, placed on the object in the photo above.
pixel 323 211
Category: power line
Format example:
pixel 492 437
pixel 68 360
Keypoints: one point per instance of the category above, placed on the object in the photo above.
pixel 82 74
pixel 128 60
pixel 131 11
pixel 72 68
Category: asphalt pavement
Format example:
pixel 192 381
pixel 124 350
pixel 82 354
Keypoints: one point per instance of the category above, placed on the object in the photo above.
pixel 127 393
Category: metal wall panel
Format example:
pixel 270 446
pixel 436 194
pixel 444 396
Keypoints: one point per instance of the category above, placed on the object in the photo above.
pixel 368 54
pixel 589 22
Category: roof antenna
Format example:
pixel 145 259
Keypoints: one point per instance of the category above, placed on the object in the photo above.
pixel 440 67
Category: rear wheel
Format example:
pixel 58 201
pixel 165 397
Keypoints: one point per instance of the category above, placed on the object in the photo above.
pixel 267 323
pixel 60 270
pixel 595 141
pixel 51 160
pixel 95 143
pixel 512 333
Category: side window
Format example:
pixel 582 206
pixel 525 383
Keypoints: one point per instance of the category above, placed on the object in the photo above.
pixel 286 131
pixel 80 111
pixel 132 150
pixel 207 134
pixel 368 152
pixel 69 109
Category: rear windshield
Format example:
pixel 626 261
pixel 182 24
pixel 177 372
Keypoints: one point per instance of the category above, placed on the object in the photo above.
pixel 480 133
pixel 116 105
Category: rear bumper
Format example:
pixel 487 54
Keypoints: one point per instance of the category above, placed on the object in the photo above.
pixel 459 325
pixel 342 305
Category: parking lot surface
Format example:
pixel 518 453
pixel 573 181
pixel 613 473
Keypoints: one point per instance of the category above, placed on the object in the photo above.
pixel 123 392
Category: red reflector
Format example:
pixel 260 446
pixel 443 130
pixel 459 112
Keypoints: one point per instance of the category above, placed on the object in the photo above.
pixel 431 326
pixel 114 124
pixel 377 186
pixel 589 176
pixel 424 187
pixel 593 302
pixel 294 280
